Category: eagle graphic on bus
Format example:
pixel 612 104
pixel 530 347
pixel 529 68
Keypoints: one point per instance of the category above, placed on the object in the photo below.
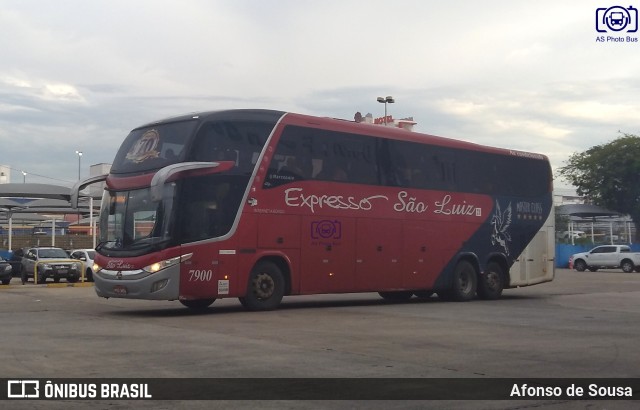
pixel 501 222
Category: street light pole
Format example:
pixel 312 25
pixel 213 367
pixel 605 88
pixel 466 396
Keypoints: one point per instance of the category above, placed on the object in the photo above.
pixel 24 177
pixel 79 156
pixel 388 100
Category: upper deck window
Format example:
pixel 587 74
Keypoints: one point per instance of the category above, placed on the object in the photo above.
pixel 237 141
pixel 306 153
pixel 153 147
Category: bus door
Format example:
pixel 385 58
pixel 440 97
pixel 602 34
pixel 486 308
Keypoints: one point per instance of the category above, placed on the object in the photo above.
pixel 378 254
pixel 327 255
pixel 536 263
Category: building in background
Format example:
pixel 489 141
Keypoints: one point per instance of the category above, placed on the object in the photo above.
pixel 388 121
pixel 5 174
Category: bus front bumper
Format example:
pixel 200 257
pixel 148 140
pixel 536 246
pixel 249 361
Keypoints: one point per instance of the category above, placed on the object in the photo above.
pixel 139 284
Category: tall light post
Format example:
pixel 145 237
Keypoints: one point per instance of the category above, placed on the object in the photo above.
pixel 388 100
pixel 79 156
pixel 24 177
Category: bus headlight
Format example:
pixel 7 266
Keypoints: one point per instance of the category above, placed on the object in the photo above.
pixel 158 266
pixel 96 268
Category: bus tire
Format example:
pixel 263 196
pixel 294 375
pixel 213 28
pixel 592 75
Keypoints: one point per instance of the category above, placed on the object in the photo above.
pixel 198 304
pixel 465 283
pixel 265 288
pixel 396 296
pixel 491 284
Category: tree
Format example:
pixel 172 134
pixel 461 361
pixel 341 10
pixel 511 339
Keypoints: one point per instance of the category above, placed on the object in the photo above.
pixel 609 175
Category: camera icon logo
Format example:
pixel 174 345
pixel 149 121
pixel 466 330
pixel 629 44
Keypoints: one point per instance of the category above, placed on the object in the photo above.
pixel 326 229
pixel 616 19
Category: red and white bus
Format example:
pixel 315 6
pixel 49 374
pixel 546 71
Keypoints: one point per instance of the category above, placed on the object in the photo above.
pixel 261 204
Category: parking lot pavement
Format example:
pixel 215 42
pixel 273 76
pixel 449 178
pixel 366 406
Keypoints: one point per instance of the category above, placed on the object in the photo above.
pixel 581 325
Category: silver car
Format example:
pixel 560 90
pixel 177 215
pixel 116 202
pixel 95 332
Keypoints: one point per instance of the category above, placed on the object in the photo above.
pixel 49 263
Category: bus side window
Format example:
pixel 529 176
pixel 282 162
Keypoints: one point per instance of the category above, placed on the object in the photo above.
pixel 298 168
pixel 331 172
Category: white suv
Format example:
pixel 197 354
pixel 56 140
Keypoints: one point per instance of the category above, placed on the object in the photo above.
pixel 86 256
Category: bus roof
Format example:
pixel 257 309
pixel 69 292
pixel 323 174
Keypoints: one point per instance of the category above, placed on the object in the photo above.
pixel 341 125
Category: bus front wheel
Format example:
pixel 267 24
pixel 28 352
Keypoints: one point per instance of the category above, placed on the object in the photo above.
pixel 491 283
pixel 265 289
pixel 465 283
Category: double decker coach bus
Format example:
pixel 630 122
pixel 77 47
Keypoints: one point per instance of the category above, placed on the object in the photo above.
pixel 261 204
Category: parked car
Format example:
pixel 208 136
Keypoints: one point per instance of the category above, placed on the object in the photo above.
pixel 49 263
pixel 606 256
pixel 86 256
pixel 569 234
pixel 5 271
pixel 16 260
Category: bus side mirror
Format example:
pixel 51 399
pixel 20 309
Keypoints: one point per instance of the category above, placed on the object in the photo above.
pixel 80 185
pixel 173 172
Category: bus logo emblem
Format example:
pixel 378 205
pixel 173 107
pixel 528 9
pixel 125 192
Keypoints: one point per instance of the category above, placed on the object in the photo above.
pixel 326 229
pixel 145 147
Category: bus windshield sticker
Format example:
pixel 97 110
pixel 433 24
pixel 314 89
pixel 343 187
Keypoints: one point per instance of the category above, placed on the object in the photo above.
pixel 501 222
pixel 223 287
pixel 145 148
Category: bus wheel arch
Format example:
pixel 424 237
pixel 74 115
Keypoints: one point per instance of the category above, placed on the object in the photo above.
pixel 198 304
pixel 493 280
pixel 268 282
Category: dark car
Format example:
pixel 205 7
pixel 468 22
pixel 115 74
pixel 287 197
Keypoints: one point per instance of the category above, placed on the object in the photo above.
pixel 16 260
pixel 5 271
pixel 49 263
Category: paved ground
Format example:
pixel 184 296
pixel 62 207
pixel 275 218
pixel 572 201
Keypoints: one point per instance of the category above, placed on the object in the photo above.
pixel 582 325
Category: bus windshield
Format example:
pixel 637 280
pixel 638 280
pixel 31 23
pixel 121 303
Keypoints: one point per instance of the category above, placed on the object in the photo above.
pixel 131 221
pixel 206 208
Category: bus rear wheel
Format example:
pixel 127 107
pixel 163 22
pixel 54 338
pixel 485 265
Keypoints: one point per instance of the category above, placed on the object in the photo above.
pixel 265 289
pixel 491 284
pixel 198 304
pixel 465 283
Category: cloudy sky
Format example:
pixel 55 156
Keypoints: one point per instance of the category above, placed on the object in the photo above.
pixel 529 75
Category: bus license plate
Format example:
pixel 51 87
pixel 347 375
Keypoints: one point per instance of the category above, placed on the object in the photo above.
pixel 120 290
